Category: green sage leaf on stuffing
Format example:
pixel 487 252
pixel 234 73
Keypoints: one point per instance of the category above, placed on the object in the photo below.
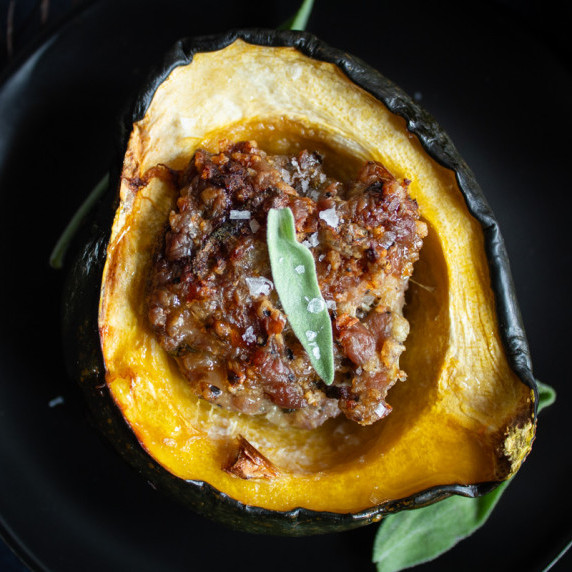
pixel 296 282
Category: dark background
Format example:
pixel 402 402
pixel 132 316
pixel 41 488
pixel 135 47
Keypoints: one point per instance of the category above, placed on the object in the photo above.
pixel 496 75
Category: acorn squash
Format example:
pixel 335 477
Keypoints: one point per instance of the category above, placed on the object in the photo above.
pixel 465 419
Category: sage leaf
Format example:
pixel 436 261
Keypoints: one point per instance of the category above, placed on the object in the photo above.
pixel 300 20
pixel 546 395
pixel 60 249
pixel 294 275
pixel 413 537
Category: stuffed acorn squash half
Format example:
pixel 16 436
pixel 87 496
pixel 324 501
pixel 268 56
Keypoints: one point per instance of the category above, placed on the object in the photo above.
pixel 184 375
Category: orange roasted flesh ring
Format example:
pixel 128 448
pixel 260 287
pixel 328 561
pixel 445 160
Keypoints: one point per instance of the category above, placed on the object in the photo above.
pixel 200 360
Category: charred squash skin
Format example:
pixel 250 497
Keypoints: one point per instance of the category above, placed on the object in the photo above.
pixel 82 292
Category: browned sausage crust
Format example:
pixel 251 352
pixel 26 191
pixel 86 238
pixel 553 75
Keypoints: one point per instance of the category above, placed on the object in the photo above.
pixel 214 307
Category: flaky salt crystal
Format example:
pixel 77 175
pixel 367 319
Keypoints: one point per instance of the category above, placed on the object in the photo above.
pixel 381 410
pixel 316 305
pixel 286 176
pixel 311 241
pixel 311 336
pixel 387 239
pixel 239 215
pixel 249 336
pixel 300 269
pixel 316 352
pixel 330 217
pixel 294 163
pixel 259 286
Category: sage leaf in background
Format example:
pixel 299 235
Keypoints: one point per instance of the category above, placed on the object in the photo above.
pixel 296 282
pixel 546 395
pixel 60 249
pixel 300 20
pixel 413 537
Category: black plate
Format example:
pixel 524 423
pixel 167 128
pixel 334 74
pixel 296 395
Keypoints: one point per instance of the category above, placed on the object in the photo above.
pixel 67 502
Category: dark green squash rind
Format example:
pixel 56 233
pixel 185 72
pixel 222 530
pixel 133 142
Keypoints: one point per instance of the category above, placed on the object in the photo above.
pixel 81 335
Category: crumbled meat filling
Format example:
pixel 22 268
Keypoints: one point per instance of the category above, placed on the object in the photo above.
pixel 214 308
